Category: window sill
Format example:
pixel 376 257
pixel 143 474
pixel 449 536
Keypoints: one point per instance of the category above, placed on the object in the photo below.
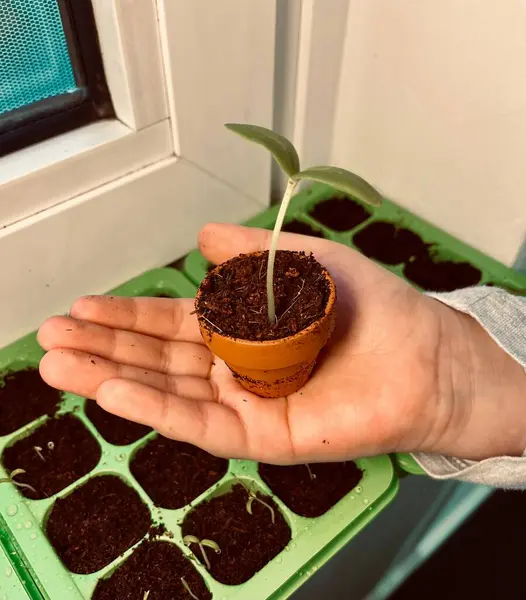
pixel 63 167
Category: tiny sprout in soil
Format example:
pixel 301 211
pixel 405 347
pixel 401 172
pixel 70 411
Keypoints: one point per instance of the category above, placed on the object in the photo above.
pixel 11 479
pixel 188 540
pixel 38 450
pixel 311 474
pixel 252 497
pixel 287 158
pixel 188 590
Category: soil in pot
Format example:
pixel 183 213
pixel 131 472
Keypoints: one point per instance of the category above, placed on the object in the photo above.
pixel 388 243
pixel 339 214
pixel 54 456
pixel 441 276
pixel 233 299
pixel 24 397
pixel 115 430
pixel 159 568
pixel 96 523
pixel 302 228
pixel 311 490
pixel 175 473
pixel 247 541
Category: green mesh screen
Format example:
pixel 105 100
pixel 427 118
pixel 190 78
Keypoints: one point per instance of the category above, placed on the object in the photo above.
pixel 34 58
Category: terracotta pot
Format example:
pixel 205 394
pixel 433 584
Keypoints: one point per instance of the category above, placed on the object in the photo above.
pixel 274 368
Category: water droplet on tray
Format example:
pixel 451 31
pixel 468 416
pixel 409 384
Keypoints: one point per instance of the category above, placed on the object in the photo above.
pixel 120 457
pixel 33 536
pixel 19 525
pixel 8 571
pixel 12 510
pixel 28 524
pixel 293 545
pixel 352 497
pixel 358 490
pixel 365 501
pixel 278 560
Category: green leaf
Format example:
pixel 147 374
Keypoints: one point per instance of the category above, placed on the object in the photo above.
pixel 279 146
pixel 344 181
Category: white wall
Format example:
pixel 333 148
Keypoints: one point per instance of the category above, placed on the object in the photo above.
pixel 431 107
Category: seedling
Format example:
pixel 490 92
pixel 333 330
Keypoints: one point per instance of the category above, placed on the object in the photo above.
pixel 311 474
pixel 188 540
pixel 187 588
pixel 146 595
pixel 253 497
pixel 11 479
pixel 287 158
pixel 38 450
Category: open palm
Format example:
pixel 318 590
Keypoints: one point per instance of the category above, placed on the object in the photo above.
pixel 374 389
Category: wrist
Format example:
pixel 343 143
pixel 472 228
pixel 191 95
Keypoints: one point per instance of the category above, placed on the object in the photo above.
pixel 481 393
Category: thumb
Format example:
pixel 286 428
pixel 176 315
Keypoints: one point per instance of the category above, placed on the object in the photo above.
pixel 218 242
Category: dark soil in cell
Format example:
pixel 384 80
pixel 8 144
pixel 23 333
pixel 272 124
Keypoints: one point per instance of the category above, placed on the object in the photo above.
pixel 96 523
pixel 156 567
pixel 302 228
pixel 445 276
pixel 388 243
pixel 340 214
pixel 24 396
pixel 310 491
pixel 113 429
pixel 247 541
pixel 175 473
pixel 161 295
pixel 234 298
pixel 54 456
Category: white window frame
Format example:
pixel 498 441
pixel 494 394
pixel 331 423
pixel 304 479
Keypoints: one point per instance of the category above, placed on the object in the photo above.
pixel 86 210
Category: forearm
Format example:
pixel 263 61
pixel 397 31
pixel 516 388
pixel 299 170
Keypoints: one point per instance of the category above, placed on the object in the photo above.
pixel 483 358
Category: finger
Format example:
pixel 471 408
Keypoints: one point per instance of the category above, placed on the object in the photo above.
pixel 125 347
pixel 83 374
pixel 219 242
pixel 212 426
pixel 164 318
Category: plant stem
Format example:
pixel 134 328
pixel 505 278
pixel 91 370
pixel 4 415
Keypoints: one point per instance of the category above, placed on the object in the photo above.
pixel 271 304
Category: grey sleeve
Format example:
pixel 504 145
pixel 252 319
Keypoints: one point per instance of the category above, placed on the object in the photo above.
pixel 503 316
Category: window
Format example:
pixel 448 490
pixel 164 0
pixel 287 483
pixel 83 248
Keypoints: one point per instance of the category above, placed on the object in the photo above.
pixel 51 74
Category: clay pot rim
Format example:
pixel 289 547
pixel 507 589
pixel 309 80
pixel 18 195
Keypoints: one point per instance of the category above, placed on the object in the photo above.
pixel 329 307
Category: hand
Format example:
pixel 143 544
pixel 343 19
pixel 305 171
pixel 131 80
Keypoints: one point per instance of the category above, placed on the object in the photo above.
pixel 403 372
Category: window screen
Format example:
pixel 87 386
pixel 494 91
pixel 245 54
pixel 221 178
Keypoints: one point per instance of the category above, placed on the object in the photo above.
pixel 51 73
pixel 34 56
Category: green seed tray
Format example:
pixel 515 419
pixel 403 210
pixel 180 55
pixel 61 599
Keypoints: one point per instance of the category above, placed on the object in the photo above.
pixel 445 247
pixel 22 521
pixel 11 587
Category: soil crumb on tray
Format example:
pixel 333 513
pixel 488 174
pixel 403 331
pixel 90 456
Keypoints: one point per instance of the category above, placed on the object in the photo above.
pixel 115 430
pixel 311 490
pixel 96 523
pixel 388 243
pixel 54 456
pixel 247 542
pixel 233 299
pixel 175 473
pixel 24 397
pixel 340 214
pixel 159 568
